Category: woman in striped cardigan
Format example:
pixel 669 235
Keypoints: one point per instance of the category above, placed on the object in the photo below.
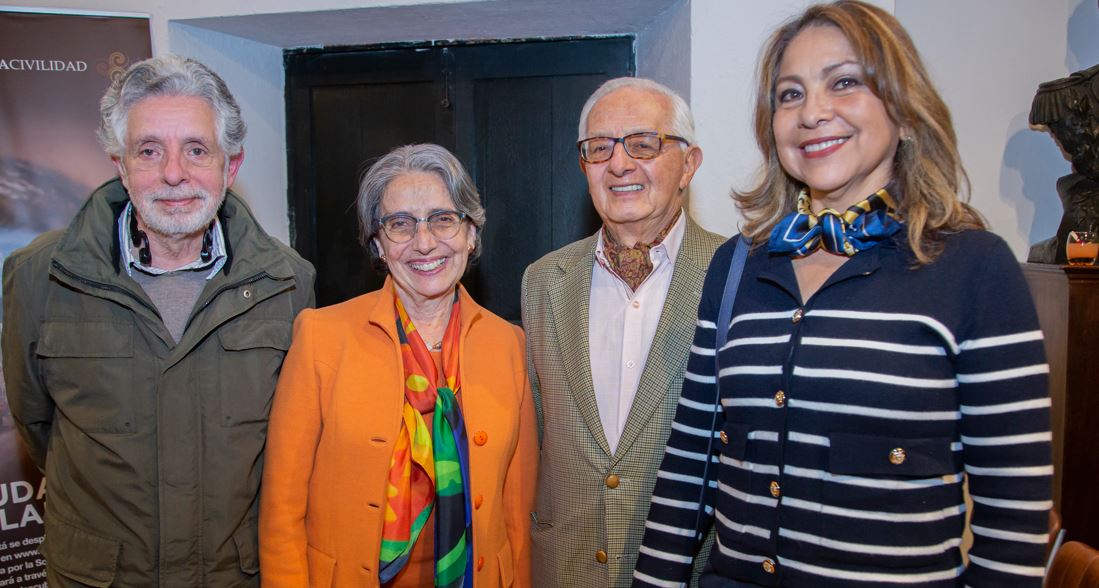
pixel 883 348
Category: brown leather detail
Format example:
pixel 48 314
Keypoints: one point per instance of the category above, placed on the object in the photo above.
pixel 1075 566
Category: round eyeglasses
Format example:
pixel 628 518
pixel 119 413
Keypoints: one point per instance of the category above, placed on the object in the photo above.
pixel 637 145
pixel 400 227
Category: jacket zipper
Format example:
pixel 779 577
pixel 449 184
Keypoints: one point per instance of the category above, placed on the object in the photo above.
pixel 102 286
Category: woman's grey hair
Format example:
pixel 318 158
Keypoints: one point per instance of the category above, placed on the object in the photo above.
pixel 683 123
pixel 168 75
pixel 419 158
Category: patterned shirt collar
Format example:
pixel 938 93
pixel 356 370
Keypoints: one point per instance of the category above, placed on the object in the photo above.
pixel 131 261
pixel 668 246
pixel 666 251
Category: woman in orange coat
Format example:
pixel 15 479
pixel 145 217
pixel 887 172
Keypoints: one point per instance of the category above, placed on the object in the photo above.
pixel 402 448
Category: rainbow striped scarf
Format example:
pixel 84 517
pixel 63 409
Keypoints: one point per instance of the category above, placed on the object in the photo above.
pixel 429 469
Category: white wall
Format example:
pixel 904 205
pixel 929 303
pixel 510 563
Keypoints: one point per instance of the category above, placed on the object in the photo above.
pixel 254 73
pixel 987 60
pixel 664 49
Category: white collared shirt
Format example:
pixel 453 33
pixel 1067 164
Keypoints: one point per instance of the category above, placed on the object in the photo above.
pixel 621 326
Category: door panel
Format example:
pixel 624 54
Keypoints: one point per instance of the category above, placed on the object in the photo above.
pixel 538 203
pixel 373 119
pixel 509 111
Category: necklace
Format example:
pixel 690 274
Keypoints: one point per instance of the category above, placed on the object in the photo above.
pixel 434 346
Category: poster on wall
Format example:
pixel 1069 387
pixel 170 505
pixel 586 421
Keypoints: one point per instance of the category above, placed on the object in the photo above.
pixel 54 67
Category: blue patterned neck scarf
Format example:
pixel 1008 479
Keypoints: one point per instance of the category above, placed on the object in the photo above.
pixel 861 227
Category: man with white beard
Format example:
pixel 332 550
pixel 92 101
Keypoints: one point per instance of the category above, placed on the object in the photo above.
pixel 142 345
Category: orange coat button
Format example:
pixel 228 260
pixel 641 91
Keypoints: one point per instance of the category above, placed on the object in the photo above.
pixel 480 563
pixel 477 502
pixel 612 481
pixel 480 437
pixel 601 556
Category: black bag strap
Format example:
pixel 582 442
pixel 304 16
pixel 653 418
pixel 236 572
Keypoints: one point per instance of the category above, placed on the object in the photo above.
pixel 724 317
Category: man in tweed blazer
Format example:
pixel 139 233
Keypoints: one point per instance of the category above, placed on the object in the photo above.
pixel 609 323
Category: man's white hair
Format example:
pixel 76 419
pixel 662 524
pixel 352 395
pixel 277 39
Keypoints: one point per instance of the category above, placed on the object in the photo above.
pixel 682 123
pixel 169 75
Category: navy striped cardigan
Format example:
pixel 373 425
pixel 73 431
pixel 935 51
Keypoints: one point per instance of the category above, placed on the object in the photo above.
pixel 847 424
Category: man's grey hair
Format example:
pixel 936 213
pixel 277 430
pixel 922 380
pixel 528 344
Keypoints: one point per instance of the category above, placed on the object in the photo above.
pixel 169 75
pixel 418 158
pixel 682 123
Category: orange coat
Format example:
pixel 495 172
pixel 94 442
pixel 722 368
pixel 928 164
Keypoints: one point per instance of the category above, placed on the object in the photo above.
pixel 335 418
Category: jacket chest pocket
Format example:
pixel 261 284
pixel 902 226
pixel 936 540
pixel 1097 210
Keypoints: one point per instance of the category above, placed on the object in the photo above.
pixel 890 456
pixel 888 472
pixel 890 484
pixel 88 369
pixel 249 365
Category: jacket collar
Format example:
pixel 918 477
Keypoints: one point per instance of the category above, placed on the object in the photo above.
pixel 691 250
pixel 90 246
pixel 383 315
pixel 570 300
pixel 778 268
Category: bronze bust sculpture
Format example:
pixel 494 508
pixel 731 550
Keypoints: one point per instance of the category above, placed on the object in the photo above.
pixel 1069 108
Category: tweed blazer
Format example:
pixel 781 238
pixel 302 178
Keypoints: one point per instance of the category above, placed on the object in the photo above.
pixel 588 525
pixel 335 421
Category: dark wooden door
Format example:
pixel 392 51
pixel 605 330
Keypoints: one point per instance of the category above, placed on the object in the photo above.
pixel 509 111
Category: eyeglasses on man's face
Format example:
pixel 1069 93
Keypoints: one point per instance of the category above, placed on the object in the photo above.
pixel 400 227
pixel 638 146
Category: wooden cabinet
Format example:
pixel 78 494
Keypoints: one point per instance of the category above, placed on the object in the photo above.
pixel 1067 299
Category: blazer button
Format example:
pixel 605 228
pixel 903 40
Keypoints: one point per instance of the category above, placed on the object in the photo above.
pixel 897 456
pixel 796 318
pixel 477 502
pixel 776 490
pixel 480 437
pixel 480 563
pixel 601 556
pixel 768 566
pixel 612 481
pixel 780 399
pixel 724 437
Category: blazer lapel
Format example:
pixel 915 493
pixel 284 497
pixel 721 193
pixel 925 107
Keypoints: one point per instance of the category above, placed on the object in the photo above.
pixel 673 337
pixel 569 300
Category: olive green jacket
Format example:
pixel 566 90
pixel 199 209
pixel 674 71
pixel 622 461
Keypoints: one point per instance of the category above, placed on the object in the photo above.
pixel 152 450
